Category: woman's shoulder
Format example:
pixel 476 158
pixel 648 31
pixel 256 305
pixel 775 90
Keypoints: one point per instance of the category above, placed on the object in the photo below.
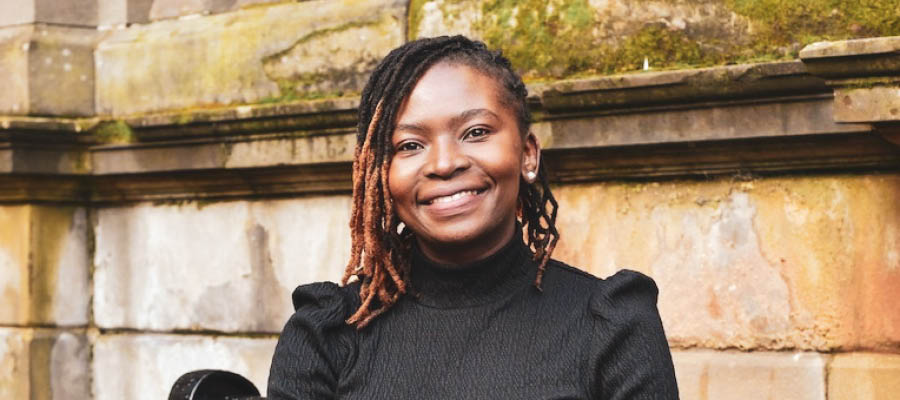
pixel 326 302
pixel 622 296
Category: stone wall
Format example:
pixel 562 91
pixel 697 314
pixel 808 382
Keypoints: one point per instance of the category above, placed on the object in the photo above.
pixel 171 170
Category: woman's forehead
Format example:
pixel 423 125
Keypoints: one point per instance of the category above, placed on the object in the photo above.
pixel 450 89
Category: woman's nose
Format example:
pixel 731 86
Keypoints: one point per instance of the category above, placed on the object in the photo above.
pixel 446 159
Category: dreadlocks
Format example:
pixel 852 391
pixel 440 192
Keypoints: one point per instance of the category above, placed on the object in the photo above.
pixel 379 255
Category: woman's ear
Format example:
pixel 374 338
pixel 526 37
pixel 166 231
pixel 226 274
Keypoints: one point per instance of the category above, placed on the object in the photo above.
pixel 531 157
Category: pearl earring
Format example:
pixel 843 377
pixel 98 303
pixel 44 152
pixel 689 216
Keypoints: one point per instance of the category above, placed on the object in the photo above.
pixel 530 175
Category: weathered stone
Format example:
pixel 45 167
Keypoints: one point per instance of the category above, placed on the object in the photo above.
pixel 44 264
pixel 578 37
pixel 863 73
pixel 851 48
pixel 14 251
pixel 62 12
pixel 163 9
pixel 763 264
pixel 704 374
pixel 40 62
pixel 14 51
pixel 85 13
pixel 16 12
pixel 274 150
pixel 696 124
pixel 67 12
pixel 226 266
pixel 61 60
pixel 858 63
pixel 143 367
pixel 44 364
pixel 876 104
pixel 220 59
pixel 864 376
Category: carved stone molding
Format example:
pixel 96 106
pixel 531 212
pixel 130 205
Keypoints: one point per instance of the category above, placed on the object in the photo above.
pixel 776 118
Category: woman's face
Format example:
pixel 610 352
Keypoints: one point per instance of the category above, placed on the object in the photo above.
pixel 458 158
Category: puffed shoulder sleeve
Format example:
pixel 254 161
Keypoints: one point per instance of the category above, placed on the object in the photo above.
pixel 314 345
pixel 632 359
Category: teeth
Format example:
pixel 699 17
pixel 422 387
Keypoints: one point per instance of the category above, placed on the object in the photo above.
pixel 454 196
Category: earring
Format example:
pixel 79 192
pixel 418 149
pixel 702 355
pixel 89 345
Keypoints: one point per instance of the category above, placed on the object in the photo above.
pixel 530 175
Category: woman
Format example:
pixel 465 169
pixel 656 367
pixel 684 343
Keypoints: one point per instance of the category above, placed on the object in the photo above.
pixel 455 295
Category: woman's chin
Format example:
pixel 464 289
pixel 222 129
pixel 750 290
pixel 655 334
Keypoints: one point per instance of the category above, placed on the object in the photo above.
pixel 461 242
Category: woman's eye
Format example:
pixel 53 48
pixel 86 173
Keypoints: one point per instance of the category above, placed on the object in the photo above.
pixel 408 146
pixel 475 133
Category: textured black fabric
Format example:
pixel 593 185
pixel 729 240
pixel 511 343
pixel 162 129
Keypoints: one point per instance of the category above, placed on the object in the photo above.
pixel 481 331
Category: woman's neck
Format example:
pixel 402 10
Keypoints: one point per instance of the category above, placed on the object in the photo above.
pixel 462 285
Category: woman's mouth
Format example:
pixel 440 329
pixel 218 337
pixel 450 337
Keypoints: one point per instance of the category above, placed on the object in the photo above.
pixel 453 197
pixel 458 203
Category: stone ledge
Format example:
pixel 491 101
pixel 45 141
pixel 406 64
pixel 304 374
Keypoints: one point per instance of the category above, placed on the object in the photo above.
pixel 865 76
pixel 726 120
pixel 853 58
pixel 675 88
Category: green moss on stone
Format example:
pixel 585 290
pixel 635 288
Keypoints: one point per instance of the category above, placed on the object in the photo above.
pixel 414 18
pixel 50 228
pixel 538 39
pixel 115 131
pixel 795 23
pixel 558 39
pixel 297 87
pixel 555 42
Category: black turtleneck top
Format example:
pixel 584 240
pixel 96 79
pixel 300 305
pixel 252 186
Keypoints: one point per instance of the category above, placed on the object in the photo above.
pixel 480 331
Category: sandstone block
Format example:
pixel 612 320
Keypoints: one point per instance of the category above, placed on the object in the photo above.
pixel 14 54
pixel 44 364
pixel 44 265
pixel 16 12
pixel 117 13
pixel 864 376
pixel 227 266
pixel 273 53
pixel 62 12
pixel 793 262
pixel 39 62
pixel 145 366
pixel 875 104
pixel 163 9
pixel 704 374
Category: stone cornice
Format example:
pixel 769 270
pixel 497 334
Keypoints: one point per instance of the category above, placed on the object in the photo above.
pixel 734 120
pixel 859 58
pixel 668 89
pixel 865 76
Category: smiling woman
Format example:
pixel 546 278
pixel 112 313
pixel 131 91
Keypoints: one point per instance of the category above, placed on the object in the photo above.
pixel 450 291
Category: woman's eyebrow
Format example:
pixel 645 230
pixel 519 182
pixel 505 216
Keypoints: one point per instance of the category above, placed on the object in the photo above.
pixel 472 113
pixel 454 121
pixel 414 127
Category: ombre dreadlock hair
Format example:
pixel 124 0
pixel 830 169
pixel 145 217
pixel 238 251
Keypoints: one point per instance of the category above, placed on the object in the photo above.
pixel 379 255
